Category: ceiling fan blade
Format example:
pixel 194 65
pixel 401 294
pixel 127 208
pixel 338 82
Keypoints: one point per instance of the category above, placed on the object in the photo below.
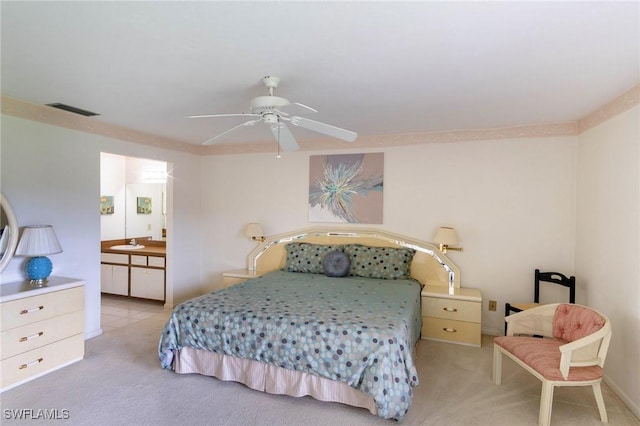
pixel 327 129
pixel 246 123
pixel 240 114
pixel 304 106
pixel 284 136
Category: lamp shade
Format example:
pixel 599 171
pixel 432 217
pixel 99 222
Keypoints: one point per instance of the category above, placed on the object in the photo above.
pixel 38 240
pixel 446 235
pixel 253 230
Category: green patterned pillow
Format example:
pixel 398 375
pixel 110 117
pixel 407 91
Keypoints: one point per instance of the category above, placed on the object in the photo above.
pixel 388 263
pixel 306 257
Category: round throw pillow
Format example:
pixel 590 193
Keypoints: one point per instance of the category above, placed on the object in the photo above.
pixel 336 264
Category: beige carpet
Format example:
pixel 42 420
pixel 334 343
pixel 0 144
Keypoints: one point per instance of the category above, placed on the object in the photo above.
pixel 120 383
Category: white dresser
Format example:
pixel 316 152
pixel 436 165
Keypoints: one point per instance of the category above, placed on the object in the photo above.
pixel 42 329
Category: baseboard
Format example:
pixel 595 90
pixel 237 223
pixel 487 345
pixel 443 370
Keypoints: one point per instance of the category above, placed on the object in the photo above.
pixel 492 332
pixel 630 403
pixel 92 334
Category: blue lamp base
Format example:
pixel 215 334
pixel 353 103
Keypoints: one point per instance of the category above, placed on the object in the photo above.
pixel 38 269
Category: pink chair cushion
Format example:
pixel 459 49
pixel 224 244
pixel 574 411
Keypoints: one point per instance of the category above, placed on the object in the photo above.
pixel 543 356
pixel 572 322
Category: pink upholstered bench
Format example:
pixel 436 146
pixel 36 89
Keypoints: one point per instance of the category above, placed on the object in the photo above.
pixel 571 352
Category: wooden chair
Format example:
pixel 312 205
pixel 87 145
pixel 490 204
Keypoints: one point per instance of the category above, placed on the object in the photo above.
pixel 546 277
pixel 572 351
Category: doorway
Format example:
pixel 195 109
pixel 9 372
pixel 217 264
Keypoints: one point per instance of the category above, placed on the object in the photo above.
pixel 133 228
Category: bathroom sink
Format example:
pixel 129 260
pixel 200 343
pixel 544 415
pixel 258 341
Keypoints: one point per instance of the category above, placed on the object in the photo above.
pixel 127 247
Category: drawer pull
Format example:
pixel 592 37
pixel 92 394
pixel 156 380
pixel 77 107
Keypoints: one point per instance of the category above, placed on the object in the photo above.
pixel 29 364
pixel 33 336
pixel 450 330
pixel 450 309
pixel 28 311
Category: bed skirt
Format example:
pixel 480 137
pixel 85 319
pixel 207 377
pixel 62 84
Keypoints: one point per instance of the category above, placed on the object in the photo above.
pixel 269 378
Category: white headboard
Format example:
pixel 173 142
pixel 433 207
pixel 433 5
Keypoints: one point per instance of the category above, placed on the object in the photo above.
pixel 429 265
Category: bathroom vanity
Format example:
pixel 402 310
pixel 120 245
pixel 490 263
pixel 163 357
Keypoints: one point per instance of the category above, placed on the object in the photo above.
pixel 137 271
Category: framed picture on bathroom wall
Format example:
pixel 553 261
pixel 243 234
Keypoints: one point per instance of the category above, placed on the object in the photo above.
pixel 346 188
pixel 106 204
pixel 143 205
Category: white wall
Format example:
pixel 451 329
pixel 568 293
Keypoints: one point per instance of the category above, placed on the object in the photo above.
pixel 113 172
pixel 608 241
pixel 511 201
pixel 52 175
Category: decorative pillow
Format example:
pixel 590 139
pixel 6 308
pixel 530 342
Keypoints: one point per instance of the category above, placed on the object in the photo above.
pixel 388 263
pixel 572 322
pixel 306 257
pixel 336 264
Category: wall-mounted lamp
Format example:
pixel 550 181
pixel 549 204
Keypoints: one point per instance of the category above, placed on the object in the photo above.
pixel 38 241
pixel 446 237
pixel 254 231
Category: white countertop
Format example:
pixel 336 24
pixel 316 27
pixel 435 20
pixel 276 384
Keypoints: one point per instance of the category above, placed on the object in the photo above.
pixel 20 289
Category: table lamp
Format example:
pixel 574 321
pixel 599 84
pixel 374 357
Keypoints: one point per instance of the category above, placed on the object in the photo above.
pixel 38 241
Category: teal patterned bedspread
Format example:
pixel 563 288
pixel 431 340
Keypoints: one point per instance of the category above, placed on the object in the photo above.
pixel 359 331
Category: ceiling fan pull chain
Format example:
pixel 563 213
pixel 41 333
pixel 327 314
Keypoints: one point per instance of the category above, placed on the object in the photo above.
pixel 278 153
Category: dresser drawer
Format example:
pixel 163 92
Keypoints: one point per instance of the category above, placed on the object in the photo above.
pixel 28 310
pixel 451 331
pixel 114 258
pixel 34 335
pixel 41 360
pixel 460 310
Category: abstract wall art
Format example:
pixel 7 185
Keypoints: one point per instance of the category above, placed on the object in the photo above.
pixel 346 188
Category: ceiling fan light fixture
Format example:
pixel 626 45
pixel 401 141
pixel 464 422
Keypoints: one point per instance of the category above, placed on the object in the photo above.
pixel 270 118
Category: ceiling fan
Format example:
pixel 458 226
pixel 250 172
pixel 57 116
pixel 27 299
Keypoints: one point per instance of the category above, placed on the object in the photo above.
pixel 268 110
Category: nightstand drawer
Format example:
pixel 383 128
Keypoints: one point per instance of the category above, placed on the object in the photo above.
pixel 450 330
pixel 460 310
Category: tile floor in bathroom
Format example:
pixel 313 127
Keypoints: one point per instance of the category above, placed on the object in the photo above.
pixel 120 312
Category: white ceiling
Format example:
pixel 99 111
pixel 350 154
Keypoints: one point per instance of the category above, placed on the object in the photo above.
pixel 372 67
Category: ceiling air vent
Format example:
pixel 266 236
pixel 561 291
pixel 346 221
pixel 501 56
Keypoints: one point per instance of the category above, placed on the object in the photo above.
pixel 73 109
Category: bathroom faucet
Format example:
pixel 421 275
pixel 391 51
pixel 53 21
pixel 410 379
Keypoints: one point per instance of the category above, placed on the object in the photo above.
pixel 133 242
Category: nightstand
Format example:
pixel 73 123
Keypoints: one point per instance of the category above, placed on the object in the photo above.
pixel 453 318
pixel 236 276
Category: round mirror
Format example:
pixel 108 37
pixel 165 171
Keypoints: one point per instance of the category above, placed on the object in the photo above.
pixel 9 232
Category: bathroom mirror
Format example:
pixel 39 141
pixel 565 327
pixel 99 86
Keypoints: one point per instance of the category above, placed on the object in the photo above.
pixel 133 198
pixel 9 230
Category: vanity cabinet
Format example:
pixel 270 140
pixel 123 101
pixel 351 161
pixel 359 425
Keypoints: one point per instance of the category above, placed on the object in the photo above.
pixel 42 329
pixel 114 279
pixel 133 275
pixel 147 283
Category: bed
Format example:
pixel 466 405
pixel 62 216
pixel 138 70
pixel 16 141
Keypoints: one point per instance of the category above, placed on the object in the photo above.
pixel 333 314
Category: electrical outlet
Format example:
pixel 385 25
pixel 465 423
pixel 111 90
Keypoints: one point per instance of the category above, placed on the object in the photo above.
pixel 492 305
